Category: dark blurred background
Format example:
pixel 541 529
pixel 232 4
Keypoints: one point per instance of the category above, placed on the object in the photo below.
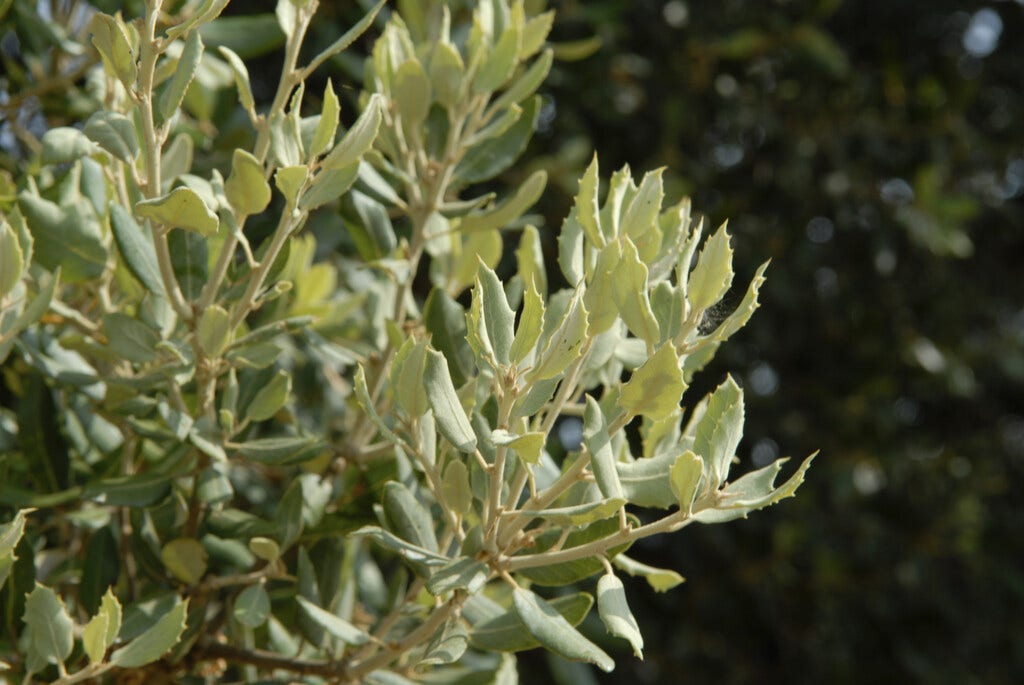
pixel 875 152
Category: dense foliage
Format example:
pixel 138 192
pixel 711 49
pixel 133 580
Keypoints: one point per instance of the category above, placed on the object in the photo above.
pixel 875 151
pixel 270 411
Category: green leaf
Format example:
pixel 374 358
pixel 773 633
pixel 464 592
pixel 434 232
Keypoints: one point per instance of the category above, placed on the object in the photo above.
pixel 288 520
pixel 155 642
pixel 654 390
pixel 552 631
pixel 566 342
pixel 600 298
pixel 711 278
pixel 139 490
pixel 130 338
pixel 587 213
pixel 578 515
pixel 446 74
pixel 265 548
pixel 501 63
pixel 184 72
pixel 451 417
pixel 101 630
pixel 136 248
pixel 185 558
pixel 531 323
pixel 252 606
pixel 48 626
pixel 685 474
pixel 753 491
pixel 39 435
pixel 461 574
pixel 270 398
pixel 280 451
pixel 115 133
pixel 739 318
pixel 290 180
pixel 498 317
pixel 246 189
pixel 719 431
pixel 411 92
pixel 614 612
pixel 358 140
pixel 248 36
pixel 530 259
pixel 12 259
pixel 564 573
pixel 111 39
pixel 189 261
pixel 456 491
pixel 646 482
pixel 10 535
pixel 67 236
pixel 407 378
pixel 630 292
pixel 598 444
pixel 490 157
pixel 447 646
pixel 241 74
pixel 528 445
pixel 327 125
pixel 641 214
pixel 181 208
pixel 446 322
pixel 511 209
pixel 328 185
pixel 335 625
pixel 660 579
pixel 527 84
pixel 507 633
pixel 377 239
pixel 214 330
pixel 407 550
pixel 407 518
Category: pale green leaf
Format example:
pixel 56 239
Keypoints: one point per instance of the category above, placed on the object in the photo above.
pixel 290 180
pixel 246 188
pixel 446 74
pixel 686 474
pixel 587 214
pixel 185 558
pixel 66 236
pixel 184 72
pixel 654 390
pixel 136 248
pixel 155 642
pixel 527 84
pixel 270 398
pixel 711 278
pixel 530 259
pixel 111 39
pixel 335 625
pixel 577 515
pixel 614 611
pixel 461 574
pixel 407 518
pixel 115 133
pixel 130 338
pixel 327 126
pixel 358 139
pixel 511 209
pixel 600 298
pixel 241 75
pixel 535 32
pixel 10 535
pixel 498 317
pixel 456 492
pixel 718 432
pixel 265 548
pixel 527 445
pixel 101 630
pixel 598 444
pixel 660 579
pixel 641 214
pixel 500 63
pixel 551 629
pixel 630 291
pixel 506 632
pixel 411 91
pixel 531 323
pixel 451 417
pixel 407 378
pixel 181 208
pixel 49 628
pixel 12 259
pixel 252 606
pixel 214 331
pixel 328 185
pixel 566 342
